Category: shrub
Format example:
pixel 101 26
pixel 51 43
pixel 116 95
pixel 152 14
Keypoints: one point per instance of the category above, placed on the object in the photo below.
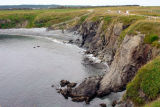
pixel 156 44
pixel 151 38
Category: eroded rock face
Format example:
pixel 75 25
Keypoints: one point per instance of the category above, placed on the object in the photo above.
pixel 88 31
pixel 129 57
pixel 105 44
pixel 88 87
pixel 111 39
pixel 100 43
pixel 124 60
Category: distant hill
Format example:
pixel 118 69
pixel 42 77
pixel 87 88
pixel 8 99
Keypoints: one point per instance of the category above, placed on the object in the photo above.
pixel 28 6
pixel 13 7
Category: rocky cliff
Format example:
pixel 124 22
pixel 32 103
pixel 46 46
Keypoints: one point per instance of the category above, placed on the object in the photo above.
pixel 124 57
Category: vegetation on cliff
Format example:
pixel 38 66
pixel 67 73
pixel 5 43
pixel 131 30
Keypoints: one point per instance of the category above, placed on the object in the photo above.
pixel 149 28
pixel 153 104
pixel 146 84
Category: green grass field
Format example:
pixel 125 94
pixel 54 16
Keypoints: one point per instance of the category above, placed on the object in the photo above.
pixel 49 17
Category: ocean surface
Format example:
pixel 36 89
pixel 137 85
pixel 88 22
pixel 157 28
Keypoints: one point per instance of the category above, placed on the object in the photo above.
pixel 31 60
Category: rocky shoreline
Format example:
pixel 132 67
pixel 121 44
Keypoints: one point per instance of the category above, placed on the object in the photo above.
pixel 85 91
pixel 123 57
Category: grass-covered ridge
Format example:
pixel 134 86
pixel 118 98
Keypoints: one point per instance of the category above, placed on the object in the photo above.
pixel 151 31
pixel 37 18
pixel 146 84
pixel 149 28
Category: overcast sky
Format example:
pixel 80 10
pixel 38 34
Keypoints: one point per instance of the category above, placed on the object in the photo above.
pixel 82 2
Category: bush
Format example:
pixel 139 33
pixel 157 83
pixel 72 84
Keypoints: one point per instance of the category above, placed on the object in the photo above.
pixel 146 83
pixel 151 38
pixel 156 44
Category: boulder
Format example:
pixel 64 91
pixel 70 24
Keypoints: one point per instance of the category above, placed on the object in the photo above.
pixel 103 105
pixel 71 85
pixel 114 103
pixel 85 91
pixel 63 83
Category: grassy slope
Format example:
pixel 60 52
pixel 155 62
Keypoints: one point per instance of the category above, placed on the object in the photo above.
pixel 147 27
pixel 38 18
pixel 146 84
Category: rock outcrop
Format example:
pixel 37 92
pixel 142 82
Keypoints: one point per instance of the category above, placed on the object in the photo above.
pixel 88 31
pixel 123 57
pixel 102 44
pixel 131 55
pixel 85 91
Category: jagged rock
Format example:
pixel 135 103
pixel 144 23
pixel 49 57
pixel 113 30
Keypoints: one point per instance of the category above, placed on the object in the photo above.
pixel 102 44
pixel 85 91
pixel 63 83
pixel 66 92
pixel 70 41
pixel 103 105
pixel 88 87
pixel 88 30
pixel 124 57
pixel 114 103
pixel 71 85
pixel 79 99
pixel 131 55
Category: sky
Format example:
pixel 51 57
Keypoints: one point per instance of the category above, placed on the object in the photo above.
pixel 83 2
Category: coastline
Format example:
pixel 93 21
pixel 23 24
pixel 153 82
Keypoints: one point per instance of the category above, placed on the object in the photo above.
pixel 56 36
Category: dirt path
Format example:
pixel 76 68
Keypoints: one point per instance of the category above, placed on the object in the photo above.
pixel 153 18
pixel 74 19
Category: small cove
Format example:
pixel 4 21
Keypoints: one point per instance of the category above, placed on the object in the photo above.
pixel 27 73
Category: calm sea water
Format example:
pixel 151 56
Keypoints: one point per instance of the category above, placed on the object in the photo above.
pixel 27 71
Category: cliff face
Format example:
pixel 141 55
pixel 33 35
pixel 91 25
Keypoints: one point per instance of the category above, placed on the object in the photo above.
pixel 101 44
pixel 128 58
pixel 124 58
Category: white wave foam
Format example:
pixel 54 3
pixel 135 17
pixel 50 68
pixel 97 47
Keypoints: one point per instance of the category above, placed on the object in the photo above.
pixel 95 59
pixel 54 40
